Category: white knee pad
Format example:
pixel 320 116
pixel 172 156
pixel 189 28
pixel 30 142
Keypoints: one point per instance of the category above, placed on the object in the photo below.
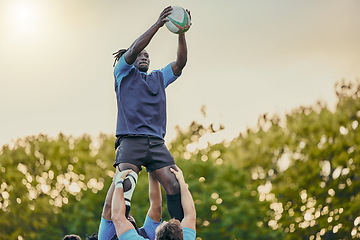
pixel 132 177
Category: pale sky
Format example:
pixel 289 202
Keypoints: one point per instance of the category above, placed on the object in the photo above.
pixel 245 58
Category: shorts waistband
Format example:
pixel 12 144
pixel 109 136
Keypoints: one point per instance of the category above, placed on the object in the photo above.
pixel 138 136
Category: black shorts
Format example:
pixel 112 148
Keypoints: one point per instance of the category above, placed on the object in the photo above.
pixel 143 150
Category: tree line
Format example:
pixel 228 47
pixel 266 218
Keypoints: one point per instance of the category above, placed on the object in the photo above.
pixel 287 177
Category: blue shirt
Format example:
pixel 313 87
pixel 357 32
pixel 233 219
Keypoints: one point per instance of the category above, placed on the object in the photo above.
pixel 141 99
pixel 107 229
pixel 189 234
pixel 150 227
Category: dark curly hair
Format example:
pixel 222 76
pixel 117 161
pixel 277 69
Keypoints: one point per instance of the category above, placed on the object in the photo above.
pixel 118 54
pixel 170 231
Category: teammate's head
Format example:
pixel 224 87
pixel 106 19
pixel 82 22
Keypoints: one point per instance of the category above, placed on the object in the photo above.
pixel 142 61
pixel 169 230
pixel 93 236
pixel 72 237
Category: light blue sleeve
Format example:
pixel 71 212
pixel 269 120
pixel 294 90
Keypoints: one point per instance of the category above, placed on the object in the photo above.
pixel 130 235
pixel 122 68
pixel 168 74
pixel 189 234
pixel 150 227
pixel 106 229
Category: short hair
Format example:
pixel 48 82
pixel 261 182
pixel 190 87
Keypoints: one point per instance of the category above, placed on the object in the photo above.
pixel 72 237
pixel 170 231
pixel 93 236
pixel 118 54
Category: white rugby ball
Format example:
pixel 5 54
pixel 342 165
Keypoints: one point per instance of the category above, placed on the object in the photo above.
pixel 179 20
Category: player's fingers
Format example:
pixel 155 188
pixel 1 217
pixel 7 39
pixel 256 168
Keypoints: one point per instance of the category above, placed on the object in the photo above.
pixel 123 176
pixel 166 11
pixel 176 173
pixel 168 8
pixel 163 17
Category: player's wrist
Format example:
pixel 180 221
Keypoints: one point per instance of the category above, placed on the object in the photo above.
pixel 182 183
pixel 119 183
pixel 157 25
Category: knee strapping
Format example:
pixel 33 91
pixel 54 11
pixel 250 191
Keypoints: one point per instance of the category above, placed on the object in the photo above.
pixel 128 192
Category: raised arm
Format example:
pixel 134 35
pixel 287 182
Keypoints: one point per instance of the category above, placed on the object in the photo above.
pixel 145 38
pixel 106 213
pixel 118 208
pixel 187 202
pixel 181 59
pixel 155 199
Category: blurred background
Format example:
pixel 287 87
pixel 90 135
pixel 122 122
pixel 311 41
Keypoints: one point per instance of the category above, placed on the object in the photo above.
pixel 263 121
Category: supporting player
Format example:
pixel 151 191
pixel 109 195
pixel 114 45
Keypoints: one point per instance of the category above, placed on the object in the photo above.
pixel 153 217
pixel 141 117
pixel 174 229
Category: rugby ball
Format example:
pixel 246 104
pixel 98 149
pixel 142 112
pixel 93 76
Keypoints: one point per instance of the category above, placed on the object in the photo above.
pixel 179 20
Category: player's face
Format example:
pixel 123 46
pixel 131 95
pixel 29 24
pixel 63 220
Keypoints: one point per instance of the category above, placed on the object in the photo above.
pixel 142 61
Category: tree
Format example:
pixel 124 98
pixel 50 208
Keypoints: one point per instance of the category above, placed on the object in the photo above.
pixel 307 167
pixel 295 177
pixel 49 186
pixel 227 205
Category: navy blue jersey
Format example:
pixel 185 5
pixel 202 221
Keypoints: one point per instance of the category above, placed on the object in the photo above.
pixel 141 99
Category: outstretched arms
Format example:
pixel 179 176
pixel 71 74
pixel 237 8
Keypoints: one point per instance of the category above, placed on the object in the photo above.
pixel 140 43
pixel 118 207
pixel 181 59
pixel 106 213
pixel 187 202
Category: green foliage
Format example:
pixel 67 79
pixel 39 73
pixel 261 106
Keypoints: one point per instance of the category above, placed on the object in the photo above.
pixel 287 178
pixel 227 205
pixel 308 167
pixel 50 187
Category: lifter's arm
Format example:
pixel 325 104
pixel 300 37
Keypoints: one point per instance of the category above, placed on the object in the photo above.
pixel 187 202
pixel 106 213
pixel 118 209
